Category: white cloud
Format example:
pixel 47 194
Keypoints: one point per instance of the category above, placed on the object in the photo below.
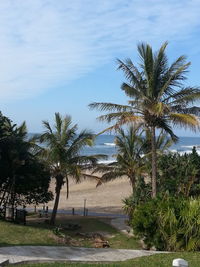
pixel 45 43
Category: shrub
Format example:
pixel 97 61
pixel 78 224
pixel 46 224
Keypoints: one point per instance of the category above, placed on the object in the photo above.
pixel 141 194
pixel 169 223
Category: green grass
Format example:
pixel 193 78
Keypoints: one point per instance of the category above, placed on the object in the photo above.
pixel 13 234
pixel 39 233
pixel 159 260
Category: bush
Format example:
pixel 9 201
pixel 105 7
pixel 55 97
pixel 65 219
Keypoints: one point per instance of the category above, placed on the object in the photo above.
pixel 141 194
pixel 169 223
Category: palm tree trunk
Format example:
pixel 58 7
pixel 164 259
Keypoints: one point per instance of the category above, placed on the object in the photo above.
pixel 132 180
pixel 67 184
pixel 59 183
pixel 154 162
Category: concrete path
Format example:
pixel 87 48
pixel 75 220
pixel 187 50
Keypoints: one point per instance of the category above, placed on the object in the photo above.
pixel 20 254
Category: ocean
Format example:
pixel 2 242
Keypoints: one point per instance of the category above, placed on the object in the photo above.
pixel 104 144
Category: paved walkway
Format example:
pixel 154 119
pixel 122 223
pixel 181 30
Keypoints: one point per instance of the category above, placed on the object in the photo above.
pixel 22 254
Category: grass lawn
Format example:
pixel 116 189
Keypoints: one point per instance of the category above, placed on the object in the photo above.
pixel 162 260
pixel 14 234
pixel 37 232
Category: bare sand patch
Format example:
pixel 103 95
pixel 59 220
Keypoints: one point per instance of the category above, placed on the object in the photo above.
pixel 105 198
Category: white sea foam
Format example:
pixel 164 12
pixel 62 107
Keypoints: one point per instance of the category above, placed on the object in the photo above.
pixel 109 144
pixel 173 150
pixel 191 146
pixel 107 161
pixel 188 152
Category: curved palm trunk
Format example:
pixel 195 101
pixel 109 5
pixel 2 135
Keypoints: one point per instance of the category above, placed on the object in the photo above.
pixel 154 162
pixel 59 183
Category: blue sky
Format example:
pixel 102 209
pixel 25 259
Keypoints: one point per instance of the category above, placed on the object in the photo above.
pixel 58 56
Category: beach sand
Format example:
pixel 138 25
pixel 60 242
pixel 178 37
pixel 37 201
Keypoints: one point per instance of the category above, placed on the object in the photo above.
pixel 106 198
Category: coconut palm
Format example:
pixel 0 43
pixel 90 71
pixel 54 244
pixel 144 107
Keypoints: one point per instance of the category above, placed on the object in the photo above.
pixel 62 153
pixel 158 99
pixel 129 161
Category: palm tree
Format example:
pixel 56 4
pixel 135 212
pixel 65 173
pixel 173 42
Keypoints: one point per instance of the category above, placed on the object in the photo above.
pixel 132 158
pixel 129 162
pixel 62 153
pixel 157 97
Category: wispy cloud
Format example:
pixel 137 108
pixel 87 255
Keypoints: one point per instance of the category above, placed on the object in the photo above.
pixel 46 43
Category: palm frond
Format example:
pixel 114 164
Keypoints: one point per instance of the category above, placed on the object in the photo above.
pixel 58 123
pixel 131 72
pixel 85 138
pixel 183 97
pixel 120 116
pixel 173 79
pixel 109 107
pixel 47 126
pixel 192 110
pixel 163 124
pixel 185 120
pixel 147 64
pixel 130 91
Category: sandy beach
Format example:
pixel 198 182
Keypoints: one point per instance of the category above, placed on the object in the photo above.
pixel 105 198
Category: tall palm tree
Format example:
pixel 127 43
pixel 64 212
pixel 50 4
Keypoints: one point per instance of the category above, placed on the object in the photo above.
pixel 157 97
pixel 62 153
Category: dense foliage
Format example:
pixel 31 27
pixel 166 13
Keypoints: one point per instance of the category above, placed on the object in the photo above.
pixel 169 223
pixel 23 178
pixel 179 174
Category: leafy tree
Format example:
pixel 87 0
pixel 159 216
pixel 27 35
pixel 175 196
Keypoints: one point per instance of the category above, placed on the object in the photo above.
pixel 23 179
pixel 63 154
pixel 157 98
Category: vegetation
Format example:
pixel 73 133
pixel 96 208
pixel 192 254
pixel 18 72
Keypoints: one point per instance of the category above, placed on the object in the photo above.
pixel 23 178
pixel 37 232
pixel 13 234
pixel 157 98
pixel 129 163
pixel 179 175
pixel 164 208
pixel 160 260
pixel 168 223
pixel 62 154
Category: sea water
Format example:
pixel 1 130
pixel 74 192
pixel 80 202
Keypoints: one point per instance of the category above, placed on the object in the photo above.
pixel 105 144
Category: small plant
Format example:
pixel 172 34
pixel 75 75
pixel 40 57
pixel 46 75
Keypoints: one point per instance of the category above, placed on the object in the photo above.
pixel 58 231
